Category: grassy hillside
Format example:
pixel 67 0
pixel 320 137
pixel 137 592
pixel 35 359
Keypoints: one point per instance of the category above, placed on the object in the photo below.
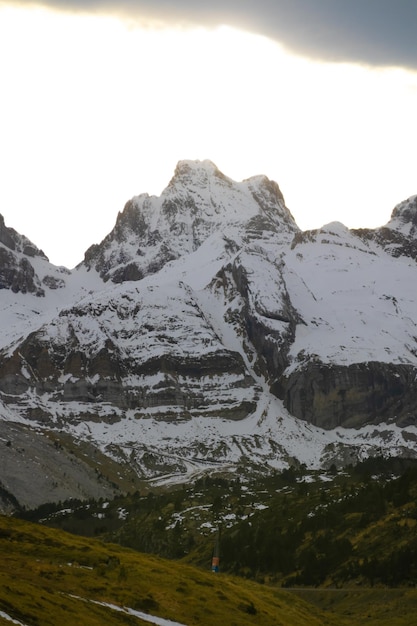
pixel 294 528
pixel 48 577
pixel 346 541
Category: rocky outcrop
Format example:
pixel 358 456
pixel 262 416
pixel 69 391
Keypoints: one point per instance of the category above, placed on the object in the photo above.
pixel 18 274
pixel 330 396
pixel 16 270
pixel 399 236
pixel 18 243
pixel 267 324
pixel 395 243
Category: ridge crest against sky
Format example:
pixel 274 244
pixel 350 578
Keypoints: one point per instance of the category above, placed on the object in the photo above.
pixel 374 32
pixel 101 99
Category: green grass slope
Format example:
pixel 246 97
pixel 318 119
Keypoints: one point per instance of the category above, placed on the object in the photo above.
pixel 49 577
pixel 378 606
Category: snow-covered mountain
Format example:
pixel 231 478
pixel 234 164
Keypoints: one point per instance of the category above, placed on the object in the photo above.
pixel 206 331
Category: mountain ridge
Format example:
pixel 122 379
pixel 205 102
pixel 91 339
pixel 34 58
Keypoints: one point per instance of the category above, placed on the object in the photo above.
pixel 208 331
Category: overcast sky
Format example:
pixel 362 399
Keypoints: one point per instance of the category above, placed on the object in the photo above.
pixel 378 32
pixel 100 99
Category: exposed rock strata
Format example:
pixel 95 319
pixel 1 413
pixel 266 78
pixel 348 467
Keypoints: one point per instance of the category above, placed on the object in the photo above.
pixel 332 396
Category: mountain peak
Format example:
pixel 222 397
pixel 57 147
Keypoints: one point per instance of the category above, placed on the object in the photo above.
pixel 196 173
pixel 199 203
pixel 187 165
pixel 404 217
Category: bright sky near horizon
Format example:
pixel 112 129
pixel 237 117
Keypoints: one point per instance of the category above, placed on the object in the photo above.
pixel 97 106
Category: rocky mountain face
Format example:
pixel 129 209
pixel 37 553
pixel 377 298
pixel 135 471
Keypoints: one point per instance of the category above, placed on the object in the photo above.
pixel 206 331
pixel 16 271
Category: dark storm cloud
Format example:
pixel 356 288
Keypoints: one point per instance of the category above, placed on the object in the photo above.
pixel 376 32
